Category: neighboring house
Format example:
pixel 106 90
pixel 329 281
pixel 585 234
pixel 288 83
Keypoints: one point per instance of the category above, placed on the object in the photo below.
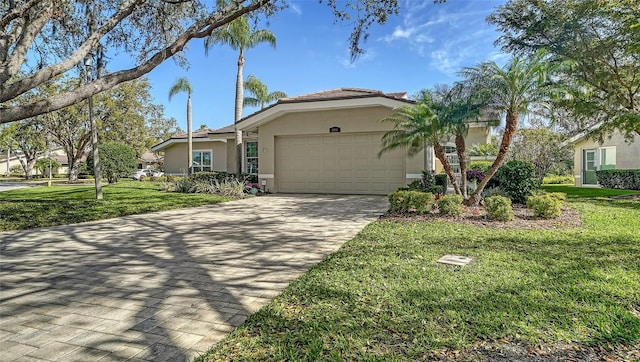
pixel 591 155
pixel 56 154
pixel 324 142
pixel 150 160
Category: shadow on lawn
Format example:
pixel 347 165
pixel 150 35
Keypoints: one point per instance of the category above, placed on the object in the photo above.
pixel 161 287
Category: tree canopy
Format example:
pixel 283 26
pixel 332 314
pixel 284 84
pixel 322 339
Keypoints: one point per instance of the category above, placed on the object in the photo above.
pixel 41 40
pixel 598 43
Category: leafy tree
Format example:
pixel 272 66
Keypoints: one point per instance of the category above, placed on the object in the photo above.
pixel 117 160
pixel 542 148
pixel 183 85
pixel 598 42
pixel 239 36
pixel 415 128
pixel 122 114
pixel 43 165
pixel 261 96
pixel 26 140
pixel 44 39
pixel 510 90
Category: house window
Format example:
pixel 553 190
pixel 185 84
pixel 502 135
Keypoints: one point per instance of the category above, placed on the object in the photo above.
pixel 202 161
pixel 251 154
pixel 607 158
pixel 452 157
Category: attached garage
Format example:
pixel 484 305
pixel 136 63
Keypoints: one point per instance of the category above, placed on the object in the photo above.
pixel 337 163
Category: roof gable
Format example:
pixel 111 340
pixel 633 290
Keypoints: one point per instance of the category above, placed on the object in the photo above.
pixel 339 98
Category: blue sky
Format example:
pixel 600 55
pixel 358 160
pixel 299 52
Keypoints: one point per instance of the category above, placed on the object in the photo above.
pixel 426 44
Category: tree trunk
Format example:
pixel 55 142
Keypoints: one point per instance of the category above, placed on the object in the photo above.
pixel 189 137
pixel 73 167
pixel 440 154
pixel 509 131
pixel 461 149
pixel 238 113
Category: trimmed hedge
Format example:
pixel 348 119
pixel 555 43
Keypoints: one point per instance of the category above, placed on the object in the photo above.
pixel 450 205
pixel 545 206
pixel 619 179
pixel 411 201
pixel 499 208
pixel 442 179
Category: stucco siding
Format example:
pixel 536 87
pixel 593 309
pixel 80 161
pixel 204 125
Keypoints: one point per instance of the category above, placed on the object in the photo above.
pixel 627 154
pixel 175 156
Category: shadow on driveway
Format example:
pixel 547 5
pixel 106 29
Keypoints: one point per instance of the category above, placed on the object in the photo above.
pixel 162 286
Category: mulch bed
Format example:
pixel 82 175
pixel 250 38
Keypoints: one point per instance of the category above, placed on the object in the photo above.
pixel 477 216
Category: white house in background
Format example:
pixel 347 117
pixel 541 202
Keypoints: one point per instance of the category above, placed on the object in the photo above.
pixel 613 153
pixel 324 142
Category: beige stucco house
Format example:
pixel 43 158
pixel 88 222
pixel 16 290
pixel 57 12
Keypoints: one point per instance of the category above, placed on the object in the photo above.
pixel 614 153
pixel 324 142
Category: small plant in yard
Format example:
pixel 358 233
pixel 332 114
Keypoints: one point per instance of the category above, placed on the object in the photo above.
pixel 499 208
pixel 517 179
pixel 545 206
pixel 411 201
pixel 450 205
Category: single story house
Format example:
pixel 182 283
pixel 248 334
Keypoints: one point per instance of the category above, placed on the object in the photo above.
pixel 324 142
pixel 613 153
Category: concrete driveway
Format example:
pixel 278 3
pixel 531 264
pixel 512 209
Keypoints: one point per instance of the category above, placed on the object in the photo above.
pixel 163 286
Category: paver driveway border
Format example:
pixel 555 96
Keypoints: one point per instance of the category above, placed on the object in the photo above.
pixel 163 286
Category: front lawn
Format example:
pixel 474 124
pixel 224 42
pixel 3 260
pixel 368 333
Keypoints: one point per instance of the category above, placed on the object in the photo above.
pixel 382 296
pixel 58 205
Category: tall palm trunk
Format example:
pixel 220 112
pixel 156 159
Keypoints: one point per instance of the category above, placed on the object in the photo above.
pixel 509 131
pixel 461 149
pixel 238 113
pixel 189 136
pixel 441 155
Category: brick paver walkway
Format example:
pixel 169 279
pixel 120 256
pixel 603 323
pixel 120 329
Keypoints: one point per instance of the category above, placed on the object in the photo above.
pixel 163 286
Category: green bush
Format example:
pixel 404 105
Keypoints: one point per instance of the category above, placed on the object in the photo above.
pixel 116 160
pixel 450 205
pixel 425 183
pixel 442 179
pixel 517 179
pixel 499 208
pixel 436 190
pixel 545 206
pixel 619 179
pixel 411 201
pixel 483 166
pixel 558 180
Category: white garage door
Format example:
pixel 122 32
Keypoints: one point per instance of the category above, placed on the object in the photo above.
pixel 337 163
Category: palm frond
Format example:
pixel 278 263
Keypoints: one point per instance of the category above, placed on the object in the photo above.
pixel 181 84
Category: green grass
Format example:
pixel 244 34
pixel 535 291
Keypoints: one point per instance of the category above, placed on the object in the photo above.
pixel 59 205
pixel 382 296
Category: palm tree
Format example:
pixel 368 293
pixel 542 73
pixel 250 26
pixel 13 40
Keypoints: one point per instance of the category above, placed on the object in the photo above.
pixel 456 106
pixel 415 128
pixel 509 90
pixel 261 97
pixel 182 85
pixel 239 36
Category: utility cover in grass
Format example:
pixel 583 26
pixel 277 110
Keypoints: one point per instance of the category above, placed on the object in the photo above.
pixel 455 260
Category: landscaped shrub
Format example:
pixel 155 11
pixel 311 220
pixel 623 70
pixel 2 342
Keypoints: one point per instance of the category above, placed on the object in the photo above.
pixel 436 190
pixel 475 175
pixel 442 179
pixel 545 206
pixel 517 179
pixel 499 208
pixel 425 183
pixel 619 179
pixel 117 160
pixel 411 201
pixel 558 180
pixel 450 205
pixel 493 191
pixel 482 166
